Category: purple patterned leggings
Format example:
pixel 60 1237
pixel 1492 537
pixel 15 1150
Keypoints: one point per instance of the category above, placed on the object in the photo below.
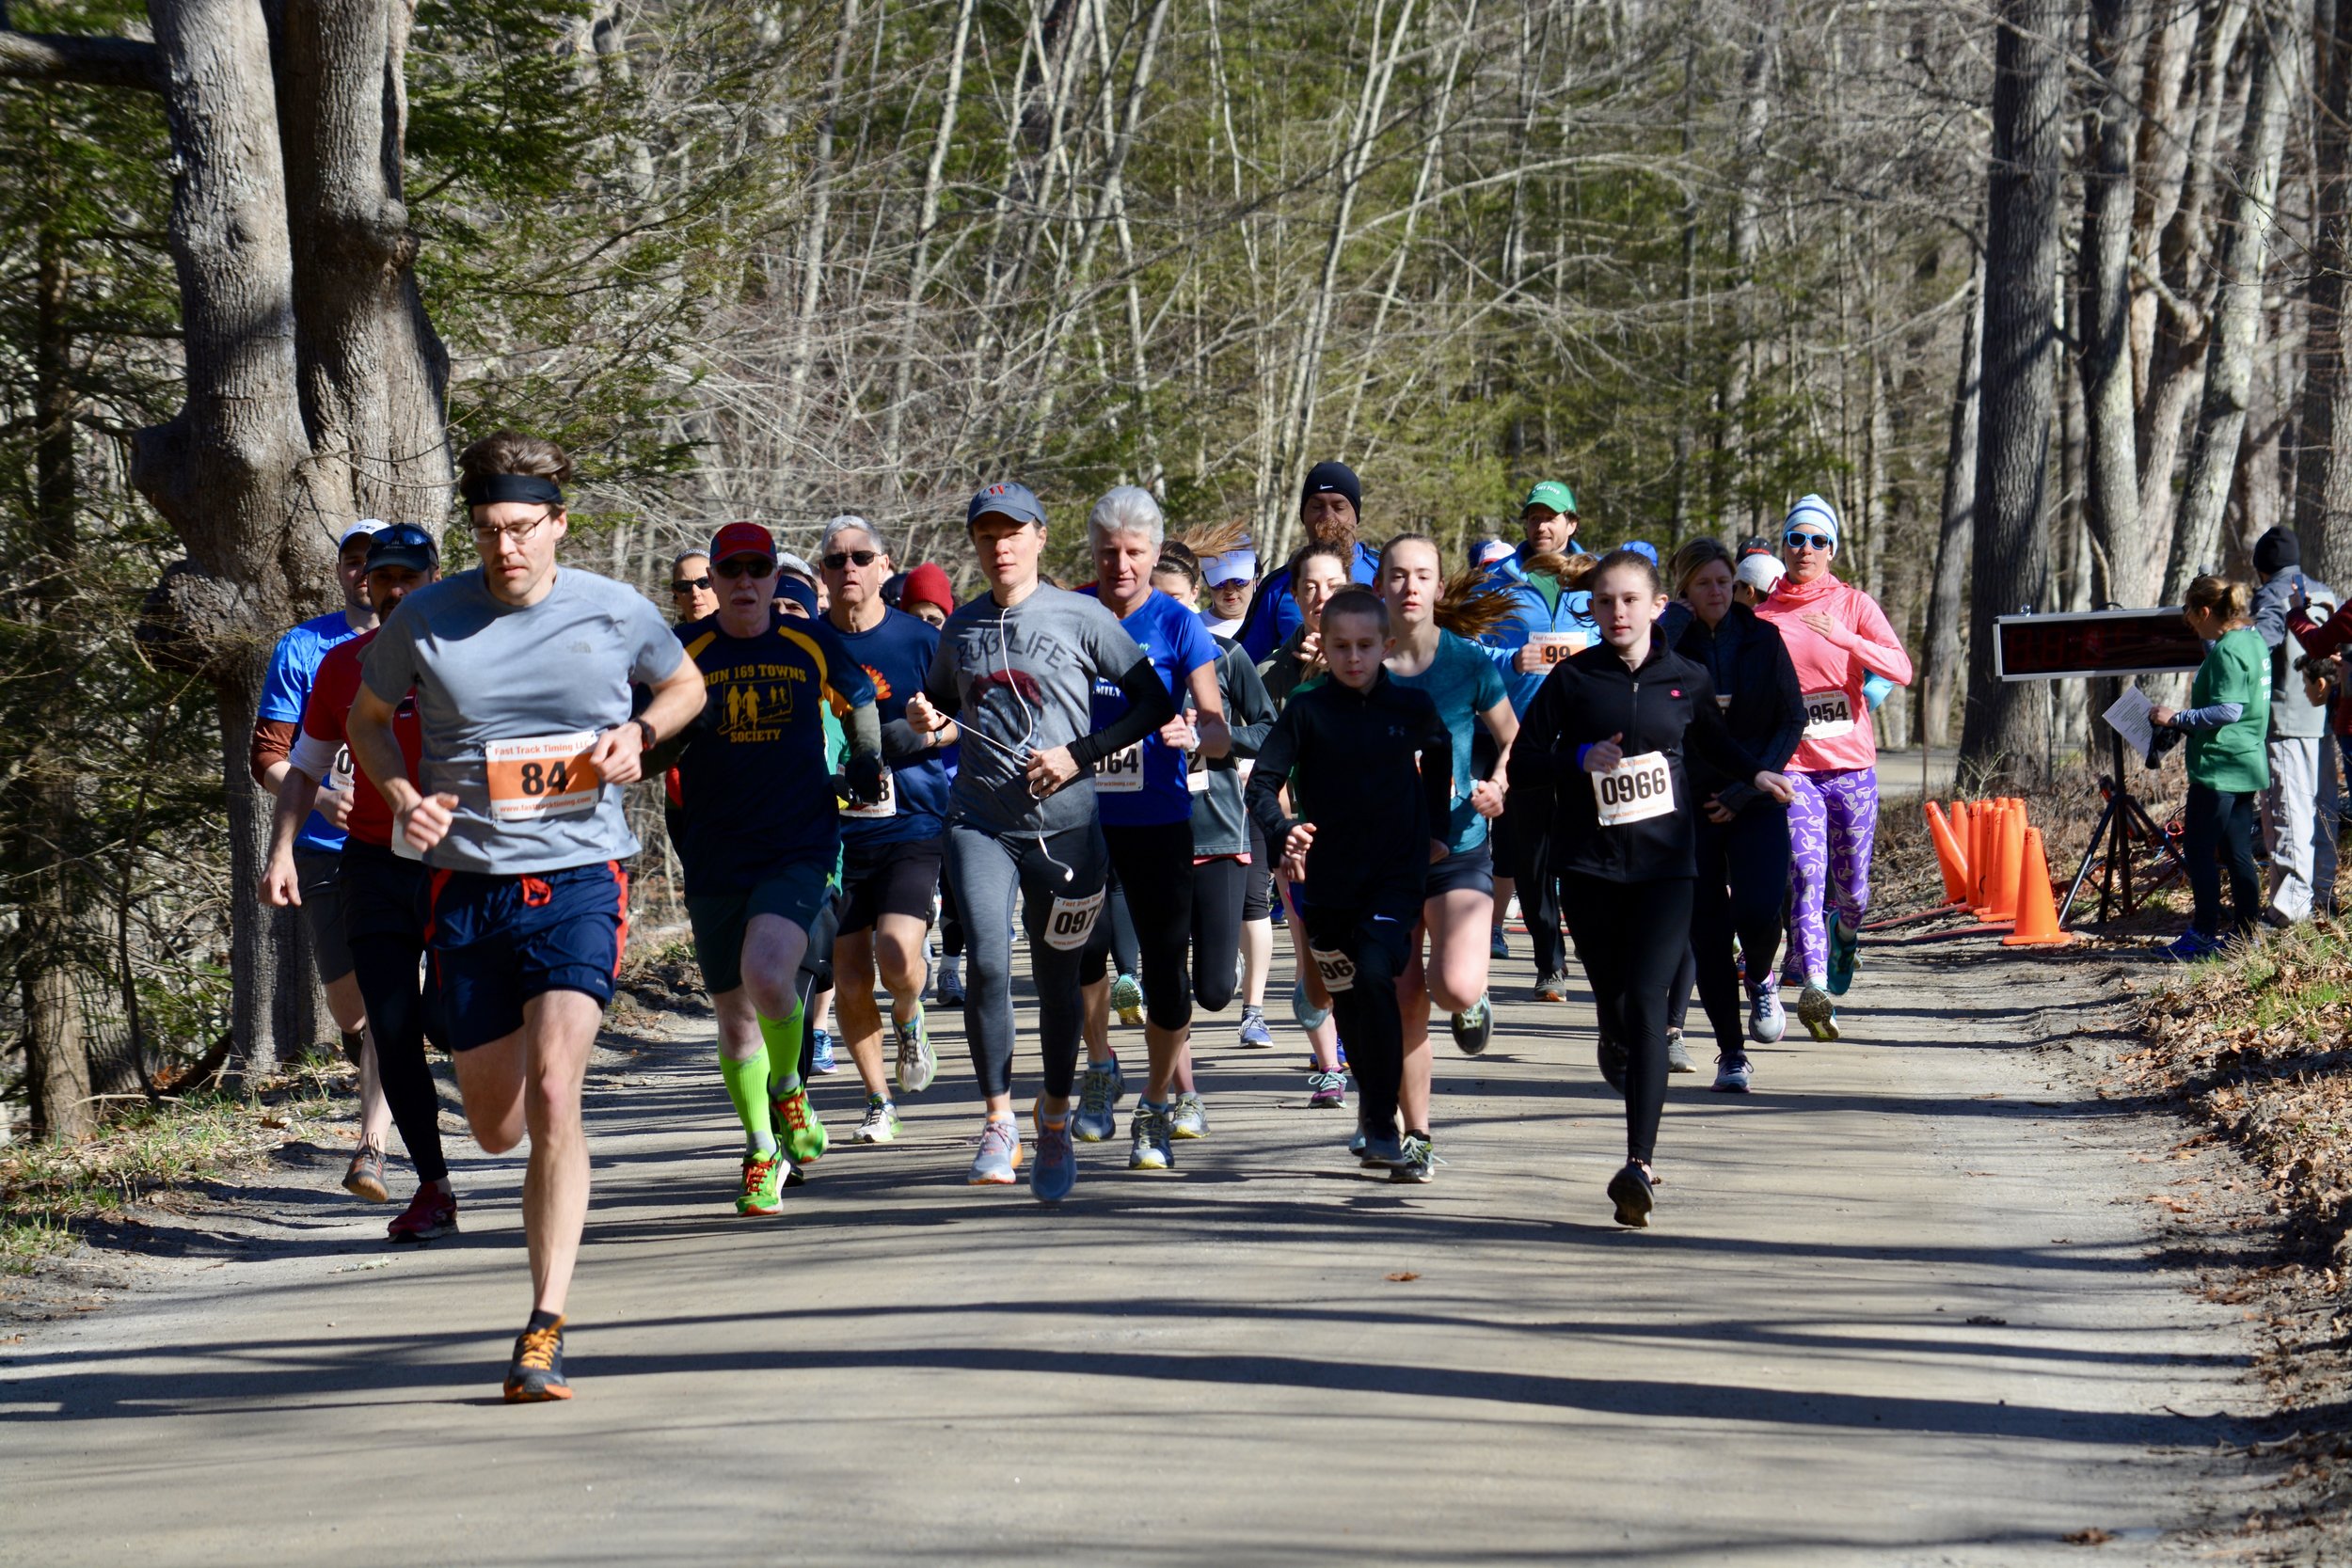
pixel 1831 823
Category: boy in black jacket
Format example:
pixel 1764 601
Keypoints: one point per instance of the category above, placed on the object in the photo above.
pixel 1365 834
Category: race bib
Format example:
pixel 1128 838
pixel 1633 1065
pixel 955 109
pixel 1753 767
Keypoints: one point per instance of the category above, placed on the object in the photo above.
pixel 1827 715
pixel 548 775
pixel 1635 790
pixel 1337 968
pixel 1121 773
pixel 1070 920
pixel 343 775
pixel 886 806
pixel 1556 645
pixel 1722 702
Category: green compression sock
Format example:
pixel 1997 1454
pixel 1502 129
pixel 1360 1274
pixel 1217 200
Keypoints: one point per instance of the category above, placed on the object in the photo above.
pixel 747 1085
pixel 783 1035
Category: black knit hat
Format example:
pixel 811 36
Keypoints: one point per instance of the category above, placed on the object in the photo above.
pixel 2276 550
pixel 1325 477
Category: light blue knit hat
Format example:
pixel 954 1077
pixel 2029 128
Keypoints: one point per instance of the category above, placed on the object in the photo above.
pixel 1812 513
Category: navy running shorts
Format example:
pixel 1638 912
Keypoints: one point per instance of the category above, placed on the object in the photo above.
pixel 498 942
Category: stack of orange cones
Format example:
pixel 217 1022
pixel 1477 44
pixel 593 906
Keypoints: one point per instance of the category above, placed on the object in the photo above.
pixel 2036 907
pixel 1949 857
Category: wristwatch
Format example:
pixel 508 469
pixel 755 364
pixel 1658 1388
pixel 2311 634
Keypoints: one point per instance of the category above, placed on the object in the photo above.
pixel 646 729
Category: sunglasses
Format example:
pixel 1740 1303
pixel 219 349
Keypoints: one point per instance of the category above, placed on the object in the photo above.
pixel 690 585
pixel 746 566
pixel 1809 542
pixel 840 559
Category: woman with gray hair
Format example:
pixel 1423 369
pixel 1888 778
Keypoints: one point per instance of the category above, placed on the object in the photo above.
pixel 1145 808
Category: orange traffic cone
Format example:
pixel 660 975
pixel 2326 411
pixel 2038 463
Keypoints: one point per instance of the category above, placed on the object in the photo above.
pixel 1980 850
pixel 1948 858
pixel 2008 852
pixel 2036 907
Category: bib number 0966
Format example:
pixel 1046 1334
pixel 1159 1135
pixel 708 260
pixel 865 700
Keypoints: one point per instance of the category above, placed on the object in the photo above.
pixel 1635 790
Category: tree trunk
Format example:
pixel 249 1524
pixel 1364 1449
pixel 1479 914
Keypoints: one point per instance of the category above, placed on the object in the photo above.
pixel 2002 723
pixel 2322 492
pixel 2237 310
pixel 2123 561
pixel 1739 515
pixel 1956 533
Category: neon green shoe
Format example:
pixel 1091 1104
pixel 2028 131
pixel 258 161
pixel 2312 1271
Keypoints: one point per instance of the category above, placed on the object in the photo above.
pixel 797 1122
pixel 763 1185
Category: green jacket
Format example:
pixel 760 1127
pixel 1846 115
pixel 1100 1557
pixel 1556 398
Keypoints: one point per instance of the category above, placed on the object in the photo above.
pixel 2234 759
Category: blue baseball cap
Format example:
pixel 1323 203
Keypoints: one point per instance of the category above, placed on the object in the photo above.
pixel 1005 499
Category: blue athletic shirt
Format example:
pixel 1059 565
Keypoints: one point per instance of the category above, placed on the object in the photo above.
pixel 896 655
pixel 1172 636
pixel 755 776
pixel 292 666
pixel 1464 683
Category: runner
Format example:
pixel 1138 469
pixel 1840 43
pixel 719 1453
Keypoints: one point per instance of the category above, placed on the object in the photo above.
pixel 1016 668
pixel 1836 634
pixel 890 849
pixel 294 666
pixel 384 892
pixel 1232 577
pixel 1620 715
pixel 1548 622
pixel 929 598
pixel 521 673
pixel 692 595
pixel 1145 807
pixel 1346 748
pixel 1433 655
pixel 1742 836
pixel 1330 508
pixel 762 837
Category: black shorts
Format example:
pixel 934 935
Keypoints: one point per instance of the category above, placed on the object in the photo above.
pixel 318 874
pixel 887 879
pixel 1473 868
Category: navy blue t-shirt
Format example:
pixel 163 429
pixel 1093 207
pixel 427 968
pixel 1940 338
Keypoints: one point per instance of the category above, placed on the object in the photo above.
pixel 1145 784
pixel 896 655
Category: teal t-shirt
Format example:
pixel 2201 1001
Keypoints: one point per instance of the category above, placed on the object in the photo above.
pixel 1464 683
pixel 2234 759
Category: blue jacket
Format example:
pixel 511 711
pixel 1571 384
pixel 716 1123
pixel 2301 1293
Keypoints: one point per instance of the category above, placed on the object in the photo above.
pixel 1530 615
pixel 1273 613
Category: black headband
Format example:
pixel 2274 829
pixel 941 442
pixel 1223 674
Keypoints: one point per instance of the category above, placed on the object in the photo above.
pixel 492 488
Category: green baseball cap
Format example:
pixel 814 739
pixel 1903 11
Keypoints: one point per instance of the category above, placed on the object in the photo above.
pixel 1553 494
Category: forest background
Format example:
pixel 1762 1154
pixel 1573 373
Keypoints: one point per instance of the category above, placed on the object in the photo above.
pixel 2042 294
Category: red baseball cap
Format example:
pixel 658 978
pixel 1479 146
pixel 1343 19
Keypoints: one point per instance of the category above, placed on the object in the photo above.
pixel 743 539
pixel 927 584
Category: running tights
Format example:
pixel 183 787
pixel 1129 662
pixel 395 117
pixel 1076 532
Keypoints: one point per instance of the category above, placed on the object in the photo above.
pixel 1218 887
pixel 1631 937
pixel 387 968
pixel 1379 943
pixel 1059 883
pixel 1155 865
pixel 1831 823
pixel 1742 892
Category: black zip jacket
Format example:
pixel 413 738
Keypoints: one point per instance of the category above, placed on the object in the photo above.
pixel 1348 759
pixel 1743 655
pixel 1658 707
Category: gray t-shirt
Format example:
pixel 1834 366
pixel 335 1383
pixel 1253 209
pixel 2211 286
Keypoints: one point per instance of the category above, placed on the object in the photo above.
pixel 1020 680
pixel 509 699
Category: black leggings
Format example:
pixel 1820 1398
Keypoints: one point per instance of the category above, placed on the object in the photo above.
pixel 386 908
pixel 1523 853
pixel 2218 832
pixel 1377 949
pixel 1631 937
pixel 1742 892
pixel 1218 887
pixel 1059 883
pixel 816 976
pixel 1154 864
pixel 950 923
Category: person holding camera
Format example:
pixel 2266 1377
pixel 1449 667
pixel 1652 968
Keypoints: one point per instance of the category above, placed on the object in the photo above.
pixel 2227 724
pixel 2298 818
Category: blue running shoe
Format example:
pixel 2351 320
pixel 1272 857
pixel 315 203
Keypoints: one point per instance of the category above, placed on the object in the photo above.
pixel 1380 1148
pixel 999 1155
pixel 1499 947
pixel 1845 953
pixel 1057 1168
pixel 1254 1033
pixel 2189 947
pixel 821 1057
pixel 1732 1074
pixel 1356 1143
pixel 1095 1121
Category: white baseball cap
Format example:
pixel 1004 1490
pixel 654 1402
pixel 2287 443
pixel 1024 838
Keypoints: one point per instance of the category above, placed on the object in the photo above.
pixel 363 528
pixel 1762 572
pixel 1234 565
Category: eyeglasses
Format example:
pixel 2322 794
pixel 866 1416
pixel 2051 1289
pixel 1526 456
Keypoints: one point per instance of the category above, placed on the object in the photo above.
pixel 1809 542
pixel 488 538
pixel 691 585
pixel 746 566
pixel 840 559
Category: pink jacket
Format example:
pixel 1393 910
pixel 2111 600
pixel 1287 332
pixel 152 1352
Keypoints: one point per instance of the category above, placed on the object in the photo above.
pixel 1837 731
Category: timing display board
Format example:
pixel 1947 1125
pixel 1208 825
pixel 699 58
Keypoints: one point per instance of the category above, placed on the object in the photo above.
pixel 2093 643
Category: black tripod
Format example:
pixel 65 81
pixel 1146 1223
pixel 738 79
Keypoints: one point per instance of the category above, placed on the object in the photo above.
pixel 2124 823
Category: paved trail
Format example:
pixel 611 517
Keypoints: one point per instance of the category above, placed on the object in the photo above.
pixel 1899 1307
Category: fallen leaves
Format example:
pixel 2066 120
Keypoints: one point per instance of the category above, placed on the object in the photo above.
pixel 1402 1277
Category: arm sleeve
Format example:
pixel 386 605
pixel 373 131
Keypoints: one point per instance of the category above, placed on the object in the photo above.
pixel 1534 764
pixel 1877 646
pixel 900 745
pixel 939 682
pixel 313 756
pixel 1249 712
pixel 655 652
pixel 2270 614
pixel 2213 716
pixel 2321 637
pixel 1149 707
pixel 273 740
pixel 1711 739
pixel 1264 797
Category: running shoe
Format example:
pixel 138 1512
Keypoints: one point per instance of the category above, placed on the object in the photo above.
pixel 2189 947
pixel 881 1125
pixel 1731 1074
pixel 1381 1148
pixel 537 1371
pixel 1818 1013
pixel 820 1055
pixel 365 1178
pixel 1303 1010
pixel 1149 1150
pixel 1630 1191
pixel 1355 1144
pixel 1188 1118
pixel 1766 1021
pixel 1326 1091
pixel 1254 1033
pixel 1474 1027
pixel 1095 1120
pixel 1419 1163
pixel 797 1120
pixel 1553 987
pixel 999 1155
pixel 950 987
pixel 1127 1000
pixel 1677 1054
pixel 431 1214
pixel 1499 947
pixel 1612 1057
pixel 763 1185
pixel 918 1063
pixel 1057 1168
pixel 1845 953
